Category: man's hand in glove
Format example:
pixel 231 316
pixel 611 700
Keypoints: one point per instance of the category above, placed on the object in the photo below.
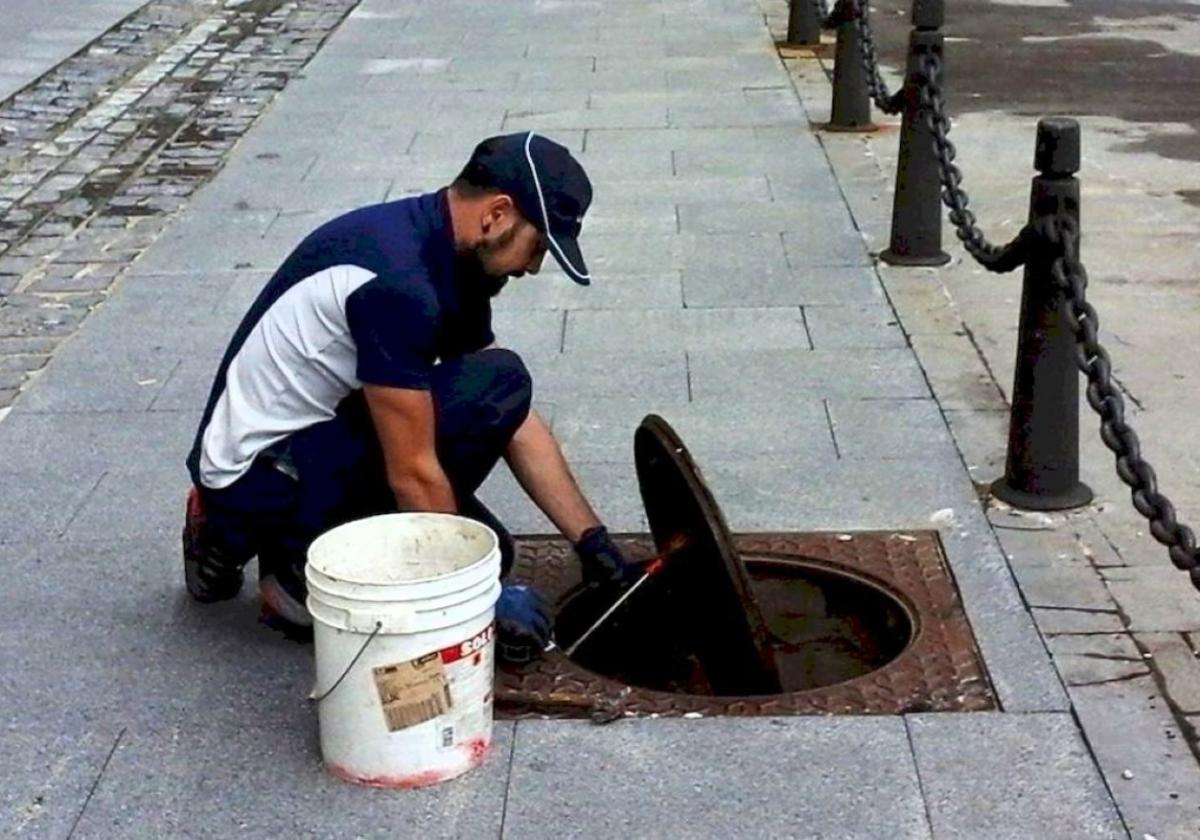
pixel 523 619
pixel 602 561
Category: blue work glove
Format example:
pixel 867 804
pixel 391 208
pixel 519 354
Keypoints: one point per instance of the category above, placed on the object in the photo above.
pixel 523 617
pixel 603 563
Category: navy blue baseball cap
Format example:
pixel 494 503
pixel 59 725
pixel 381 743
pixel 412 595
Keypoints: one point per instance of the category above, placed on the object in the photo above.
pixel 548 186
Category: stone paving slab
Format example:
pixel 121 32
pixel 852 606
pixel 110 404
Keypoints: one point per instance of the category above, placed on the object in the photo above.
pixel 1059 587
pixel 1139 746
pixel 1012 647
pixel 853 327
pixel 744 276
pixel 328 195
pixel 185 252
pixel 886 429
pixel 787 162
pixel 34 37
pixel 730 432
pixel 61 445
pixel 118 506
pixel 188 385
pixel 97 384
pixel 39 502
pixel 126 614
pixel 687 778
pixel 825 494
pixel 574 376
pixel 995 775
pixel 1177 660
pixel 1099 658
pixel 47 774
pixel 610 487
pixel 530 332
pixel 553 290
pixel 689 329
pixel 1154 598
pixel 221 780
pixel 757 375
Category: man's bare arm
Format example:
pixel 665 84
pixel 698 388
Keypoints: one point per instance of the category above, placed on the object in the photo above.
pixel 404 422
pixel 536 460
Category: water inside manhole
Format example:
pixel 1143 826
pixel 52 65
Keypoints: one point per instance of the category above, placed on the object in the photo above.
pixel 824 627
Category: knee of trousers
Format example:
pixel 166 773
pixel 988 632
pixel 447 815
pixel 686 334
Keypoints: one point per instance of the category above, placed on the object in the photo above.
pixel 509 386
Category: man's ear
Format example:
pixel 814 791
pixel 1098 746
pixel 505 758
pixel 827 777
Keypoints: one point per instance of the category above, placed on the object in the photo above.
pixel 499 213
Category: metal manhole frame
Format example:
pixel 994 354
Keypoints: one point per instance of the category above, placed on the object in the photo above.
pixel 941 669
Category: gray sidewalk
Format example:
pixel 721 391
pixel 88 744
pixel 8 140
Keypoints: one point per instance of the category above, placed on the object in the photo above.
pixel 1122 623
pixel 734 296
pixel 35 35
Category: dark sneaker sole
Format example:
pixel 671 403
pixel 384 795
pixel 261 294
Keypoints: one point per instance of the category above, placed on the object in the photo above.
pixel 206 581
pixel 290 630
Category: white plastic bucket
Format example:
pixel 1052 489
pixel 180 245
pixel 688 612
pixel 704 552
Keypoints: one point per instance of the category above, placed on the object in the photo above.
pixel 402 608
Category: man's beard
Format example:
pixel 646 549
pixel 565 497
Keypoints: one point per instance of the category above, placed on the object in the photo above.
pixel 471 268
pixel 472 263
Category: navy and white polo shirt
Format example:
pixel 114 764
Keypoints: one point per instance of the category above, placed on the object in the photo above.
pixel 375 296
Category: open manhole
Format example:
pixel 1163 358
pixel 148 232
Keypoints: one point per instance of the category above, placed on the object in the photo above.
pixel 823 626
pixel 781 623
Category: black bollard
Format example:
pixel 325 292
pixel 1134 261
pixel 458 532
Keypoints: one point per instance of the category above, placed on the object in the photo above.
pixel 851 109
pixel 917 206
pixel 1042 469
pixel 804 23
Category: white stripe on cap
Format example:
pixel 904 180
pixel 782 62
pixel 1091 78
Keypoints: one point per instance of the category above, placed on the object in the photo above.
pixel 546 216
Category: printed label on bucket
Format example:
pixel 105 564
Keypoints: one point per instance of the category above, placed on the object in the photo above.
pixel 453 684
pixel 412 692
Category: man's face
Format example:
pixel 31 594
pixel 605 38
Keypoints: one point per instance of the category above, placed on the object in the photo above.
pixel 513 251
pixel 508 245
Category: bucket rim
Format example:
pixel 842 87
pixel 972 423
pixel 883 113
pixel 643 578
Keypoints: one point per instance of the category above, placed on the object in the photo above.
pixel 487 556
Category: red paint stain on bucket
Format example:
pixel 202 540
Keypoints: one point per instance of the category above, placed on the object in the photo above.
pixel 423 779
pixel 478 750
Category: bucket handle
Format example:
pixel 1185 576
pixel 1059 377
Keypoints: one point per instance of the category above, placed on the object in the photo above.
pixel 317 697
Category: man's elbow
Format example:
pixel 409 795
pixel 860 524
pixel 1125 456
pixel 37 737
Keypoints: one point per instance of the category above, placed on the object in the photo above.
pixel 532 431
pixel 420 486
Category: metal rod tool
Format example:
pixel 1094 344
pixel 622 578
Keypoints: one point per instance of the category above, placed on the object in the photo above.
pixel 652 568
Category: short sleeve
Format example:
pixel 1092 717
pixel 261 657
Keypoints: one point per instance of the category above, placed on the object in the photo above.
pixel 394 326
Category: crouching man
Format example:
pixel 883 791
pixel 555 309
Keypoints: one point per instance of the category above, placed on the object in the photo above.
pixel 366 379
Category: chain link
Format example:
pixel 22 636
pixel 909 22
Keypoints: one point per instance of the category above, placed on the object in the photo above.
pixel 858 10
pixel 1070 277
pixel 932 100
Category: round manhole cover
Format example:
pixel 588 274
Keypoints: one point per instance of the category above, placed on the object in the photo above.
pixel 704 588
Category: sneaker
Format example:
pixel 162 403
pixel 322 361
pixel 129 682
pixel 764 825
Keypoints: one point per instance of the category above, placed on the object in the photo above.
pixel 282 610
pixel 211 574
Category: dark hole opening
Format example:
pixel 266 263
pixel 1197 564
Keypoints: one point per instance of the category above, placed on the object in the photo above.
pixel 825 627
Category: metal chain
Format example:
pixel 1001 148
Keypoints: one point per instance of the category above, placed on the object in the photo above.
pixel 889 103
pixel 1105 398
pixel 998 258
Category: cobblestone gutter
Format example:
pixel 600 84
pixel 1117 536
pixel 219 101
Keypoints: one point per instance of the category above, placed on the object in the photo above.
pixel 97 155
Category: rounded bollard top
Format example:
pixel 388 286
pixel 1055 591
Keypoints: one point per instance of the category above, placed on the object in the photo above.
pixel 928 14
pixel 1057 151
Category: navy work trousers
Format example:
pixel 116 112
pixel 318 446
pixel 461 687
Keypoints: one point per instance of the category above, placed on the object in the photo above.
pixel 333 472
